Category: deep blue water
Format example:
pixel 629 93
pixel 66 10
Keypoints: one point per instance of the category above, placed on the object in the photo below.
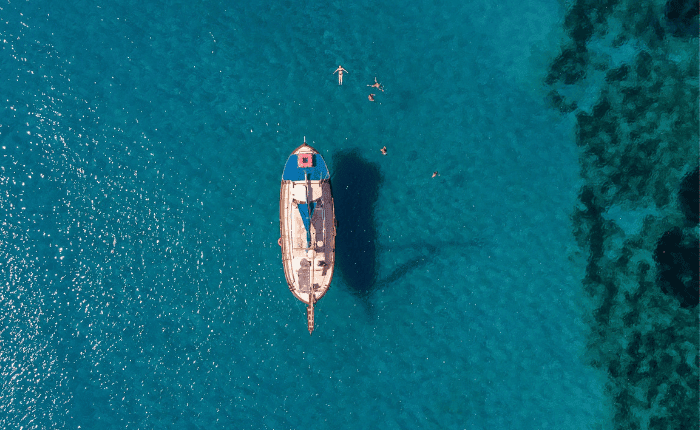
pixel 141 149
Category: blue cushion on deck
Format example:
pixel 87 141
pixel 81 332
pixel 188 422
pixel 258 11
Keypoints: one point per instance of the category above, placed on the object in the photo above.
pixel 305 215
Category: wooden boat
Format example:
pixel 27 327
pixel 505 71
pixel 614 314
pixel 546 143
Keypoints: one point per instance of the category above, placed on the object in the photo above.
pixel 307 227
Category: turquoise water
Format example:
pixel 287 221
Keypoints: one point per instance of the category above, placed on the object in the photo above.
pixel 142 145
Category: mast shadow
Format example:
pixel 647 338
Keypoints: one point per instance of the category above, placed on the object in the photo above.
pixel 356 183
pixel 429 252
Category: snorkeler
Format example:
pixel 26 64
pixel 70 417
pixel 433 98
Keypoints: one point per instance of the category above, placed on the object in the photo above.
pixel 377 85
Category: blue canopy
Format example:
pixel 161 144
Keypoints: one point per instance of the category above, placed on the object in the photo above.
pixel 292 171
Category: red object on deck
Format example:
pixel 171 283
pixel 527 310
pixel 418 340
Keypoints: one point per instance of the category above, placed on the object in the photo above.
pixel 305 160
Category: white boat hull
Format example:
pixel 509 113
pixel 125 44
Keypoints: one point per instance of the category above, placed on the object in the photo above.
pixel 307 227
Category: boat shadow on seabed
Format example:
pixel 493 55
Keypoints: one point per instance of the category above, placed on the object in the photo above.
pixel 356 183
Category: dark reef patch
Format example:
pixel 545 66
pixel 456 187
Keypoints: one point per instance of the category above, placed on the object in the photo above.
pixel 688 196
pixel 578 23
pixel 682 17
pixel 569 66
pixel 643 64
pixel 618 74
pixel 557 100
pixel 635 137
pixel 356 184
pixel 677 258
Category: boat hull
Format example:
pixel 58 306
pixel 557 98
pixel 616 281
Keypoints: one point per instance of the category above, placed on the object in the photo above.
pixel 307 226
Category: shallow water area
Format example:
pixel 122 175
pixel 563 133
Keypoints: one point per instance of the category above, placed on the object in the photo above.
pixel 141 151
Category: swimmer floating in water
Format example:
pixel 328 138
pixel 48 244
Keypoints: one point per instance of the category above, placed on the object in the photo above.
pixel 340 72
pixel 377 85
pixel 371 97
pixel 383 150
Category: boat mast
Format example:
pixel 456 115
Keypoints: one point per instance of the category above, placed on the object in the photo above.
pixel 308 207
pixel 310 308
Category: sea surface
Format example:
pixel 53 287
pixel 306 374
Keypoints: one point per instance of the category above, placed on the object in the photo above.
pixel 141 151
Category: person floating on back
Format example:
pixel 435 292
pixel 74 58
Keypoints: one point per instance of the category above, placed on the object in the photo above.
pixel 340 72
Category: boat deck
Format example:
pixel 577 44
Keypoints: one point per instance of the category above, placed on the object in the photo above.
pixel 308 255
